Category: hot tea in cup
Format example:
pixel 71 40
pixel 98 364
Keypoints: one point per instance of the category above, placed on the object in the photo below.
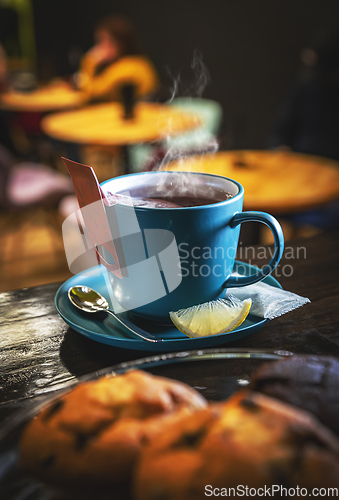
pixel 173 196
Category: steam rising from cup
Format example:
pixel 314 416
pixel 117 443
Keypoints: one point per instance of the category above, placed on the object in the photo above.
pixel 200 141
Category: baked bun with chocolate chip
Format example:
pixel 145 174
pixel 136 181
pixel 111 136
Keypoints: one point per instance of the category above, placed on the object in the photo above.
pixel 250 439
pixel 306 381
pixel 93 435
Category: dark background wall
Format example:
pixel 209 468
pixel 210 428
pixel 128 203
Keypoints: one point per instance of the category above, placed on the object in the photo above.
pixel 251 48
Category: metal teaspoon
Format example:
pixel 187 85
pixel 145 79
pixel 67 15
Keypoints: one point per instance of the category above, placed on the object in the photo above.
pixel 90 301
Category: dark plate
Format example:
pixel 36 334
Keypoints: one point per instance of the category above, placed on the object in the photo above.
pixel 215 373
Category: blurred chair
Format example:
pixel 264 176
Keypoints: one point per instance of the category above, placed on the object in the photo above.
pixel 210 113
pixel 200 140
pixel 324 218
pixel 30 192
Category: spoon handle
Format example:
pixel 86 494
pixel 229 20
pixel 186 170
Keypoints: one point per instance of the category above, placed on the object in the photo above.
pixel 134 329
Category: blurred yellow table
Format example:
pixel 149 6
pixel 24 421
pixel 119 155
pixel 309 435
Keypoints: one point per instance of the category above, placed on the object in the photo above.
pixel 104 124
pixel 50 98
pixel 277 182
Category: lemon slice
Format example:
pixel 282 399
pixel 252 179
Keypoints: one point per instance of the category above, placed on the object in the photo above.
pixel 212 318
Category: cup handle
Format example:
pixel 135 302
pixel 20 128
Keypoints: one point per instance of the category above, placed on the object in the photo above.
pixel 273 224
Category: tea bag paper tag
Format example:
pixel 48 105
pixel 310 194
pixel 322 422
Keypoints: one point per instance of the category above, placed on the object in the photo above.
pixel 91 202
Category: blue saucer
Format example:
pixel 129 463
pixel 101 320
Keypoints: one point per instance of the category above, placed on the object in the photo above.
pixel 103 328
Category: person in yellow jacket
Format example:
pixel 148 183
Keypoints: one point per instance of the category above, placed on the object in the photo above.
pixel 116 60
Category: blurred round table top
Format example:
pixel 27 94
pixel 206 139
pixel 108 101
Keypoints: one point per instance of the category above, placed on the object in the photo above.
pixel 104 124
pixel 281 182
pixel 54 97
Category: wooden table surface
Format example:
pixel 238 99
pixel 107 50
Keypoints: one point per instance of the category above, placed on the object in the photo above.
pixel 54 97
pixel 104 125
pixel 40 354
pixel 278 182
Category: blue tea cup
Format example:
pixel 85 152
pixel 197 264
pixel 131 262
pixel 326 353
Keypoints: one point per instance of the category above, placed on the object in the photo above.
pixel 174 257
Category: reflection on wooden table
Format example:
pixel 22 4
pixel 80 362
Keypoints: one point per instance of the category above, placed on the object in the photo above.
pixel 104 125
pixel 274 181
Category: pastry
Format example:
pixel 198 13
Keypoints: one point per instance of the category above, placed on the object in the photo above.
pixel 306 381
pixel 92 436
pixel 250 439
